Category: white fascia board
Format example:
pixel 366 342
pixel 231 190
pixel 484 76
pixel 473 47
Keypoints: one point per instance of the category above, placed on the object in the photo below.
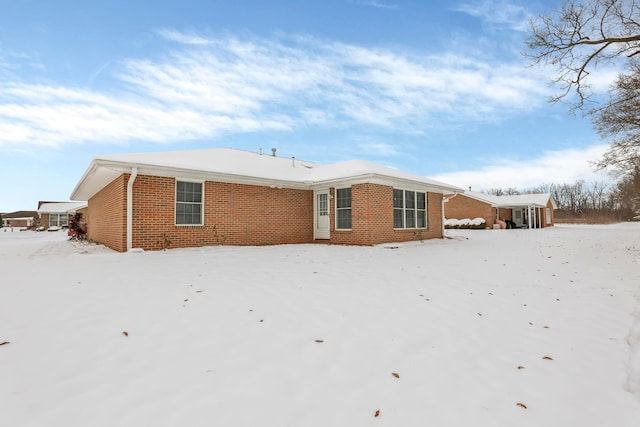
pixel 96 177
pixel 98 167
pixel 373 178
pixel 87 174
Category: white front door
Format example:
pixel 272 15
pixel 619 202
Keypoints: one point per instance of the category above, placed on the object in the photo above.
pixel 321 215
pixel 517 217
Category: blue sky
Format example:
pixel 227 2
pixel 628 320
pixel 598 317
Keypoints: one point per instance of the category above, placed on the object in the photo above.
pixel 435 88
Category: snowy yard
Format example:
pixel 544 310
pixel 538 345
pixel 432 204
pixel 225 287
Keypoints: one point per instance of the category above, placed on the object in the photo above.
pixel 488 328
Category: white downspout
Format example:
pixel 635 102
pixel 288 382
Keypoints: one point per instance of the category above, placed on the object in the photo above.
pixel 443 218
pixel 132 178
pixel 444 200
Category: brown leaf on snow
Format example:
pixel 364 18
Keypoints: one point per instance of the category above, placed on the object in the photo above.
pixel 547 358
pixel 319 341
pixel 377 414
pixel 520 367
pixel 5 342
pixel 522 405
pixel 395 374
pixel 125 333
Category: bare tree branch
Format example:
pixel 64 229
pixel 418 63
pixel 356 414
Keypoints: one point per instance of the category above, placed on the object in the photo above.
pixel 580 36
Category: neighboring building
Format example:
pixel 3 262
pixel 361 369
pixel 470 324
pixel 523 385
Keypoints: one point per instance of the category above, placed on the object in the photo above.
pixel 55 215
pixel 226 196
pixel 20 219
pixel 524 210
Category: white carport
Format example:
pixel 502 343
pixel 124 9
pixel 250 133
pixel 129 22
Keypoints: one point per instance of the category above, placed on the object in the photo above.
pixel 534 205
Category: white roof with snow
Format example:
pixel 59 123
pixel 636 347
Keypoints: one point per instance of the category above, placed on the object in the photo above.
pixel 61 207
pixel 519 200
pixel 244 167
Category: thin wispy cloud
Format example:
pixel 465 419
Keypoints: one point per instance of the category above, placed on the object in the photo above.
pixel 498 12
pixel 380 5
pixel 183 37
pixel 208 87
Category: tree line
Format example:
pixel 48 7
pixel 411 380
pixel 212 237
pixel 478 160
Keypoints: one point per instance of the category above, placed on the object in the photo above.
pixel 589 202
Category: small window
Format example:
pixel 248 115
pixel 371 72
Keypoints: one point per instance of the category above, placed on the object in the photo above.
pixel 54 220
pixel 343 209
pixel 398 208
pixel 409 209
pixel 188 203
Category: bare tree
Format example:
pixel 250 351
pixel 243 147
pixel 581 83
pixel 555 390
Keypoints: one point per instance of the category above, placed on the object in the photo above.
pixel 620 122
pixel 503 191
pixel 597 195
pixel 581 35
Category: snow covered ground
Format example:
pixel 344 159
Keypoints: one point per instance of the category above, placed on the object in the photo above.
pixel 487 328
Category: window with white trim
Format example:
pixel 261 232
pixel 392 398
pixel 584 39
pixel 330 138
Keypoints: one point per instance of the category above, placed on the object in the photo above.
pixel 58 220
pixel 409 209
pixel 188 203
pixel 343 209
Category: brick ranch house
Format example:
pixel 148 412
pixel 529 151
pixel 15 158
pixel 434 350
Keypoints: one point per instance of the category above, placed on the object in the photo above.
pixel 160 200
pixel 56 215
pixel 20 219
pixel 525 210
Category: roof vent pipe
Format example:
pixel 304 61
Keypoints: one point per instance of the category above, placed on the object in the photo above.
pixel 293 162
pixel 273 152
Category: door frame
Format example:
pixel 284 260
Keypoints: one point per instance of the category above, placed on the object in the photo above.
pixel 520 221
pixel 320 232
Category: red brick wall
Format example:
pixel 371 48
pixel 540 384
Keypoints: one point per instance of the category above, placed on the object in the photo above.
pixel 372 218
pixel 234 214
pixel 506 213
pixel 461 207
pixel 548 224
pixel 107 213
pixel 44 220
pixel 18 223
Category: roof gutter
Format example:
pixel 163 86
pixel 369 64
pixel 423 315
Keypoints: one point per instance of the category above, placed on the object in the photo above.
pixel 132 179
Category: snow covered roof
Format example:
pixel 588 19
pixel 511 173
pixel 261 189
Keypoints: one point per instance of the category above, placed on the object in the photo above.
pixel 244 167
pixel 518 200
pixel 19 215
pixel 61 207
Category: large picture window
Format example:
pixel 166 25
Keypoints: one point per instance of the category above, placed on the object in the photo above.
pixel 188 203
pixel 409 209
pixel 58 220
pixel 343 209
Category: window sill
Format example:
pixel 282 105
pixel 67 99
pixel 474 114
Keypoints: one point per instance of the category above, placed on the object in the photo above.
pixel 416 228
